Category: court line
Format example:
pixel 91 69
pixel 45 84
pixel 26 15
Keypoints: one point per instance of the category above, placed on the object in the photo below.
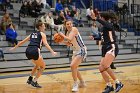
pixel 63 71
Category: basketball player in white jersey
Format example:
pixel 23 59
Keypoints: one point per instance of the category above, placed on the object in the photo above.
pixel 73 39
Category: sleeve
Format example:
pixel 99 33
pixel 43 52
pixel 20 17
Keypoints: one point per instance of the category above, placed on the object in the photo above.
pixel 97 38
pixel 109 27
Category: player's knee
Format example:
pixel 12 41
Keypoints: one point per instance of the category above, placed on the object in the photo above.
pixel 36 67
pixel 73 66
pixel 101 68
pixel 41 68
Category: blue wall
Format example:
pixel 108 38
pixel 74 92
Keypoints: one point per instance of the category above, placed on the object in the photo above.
pixel 79 5
pixel 104 5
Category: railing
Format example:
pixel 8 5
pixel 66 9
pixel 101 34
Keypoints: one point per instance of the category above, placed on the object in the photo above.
pixel 35 23
pixel 68 55
pixel 51 36
pixel 137 46
pixel 122 34
pixel 19 18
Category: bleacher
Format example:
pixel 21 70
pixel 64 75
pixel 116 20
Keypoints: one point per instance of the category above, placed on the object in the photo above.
pixel 17 61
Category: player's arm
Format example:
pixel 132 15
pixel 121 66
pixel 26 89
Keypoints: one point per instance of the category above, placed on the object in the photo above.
pixel 100 44
pixel 67 43
pixel 111 40
pixel 95 38
pixel 21 42
pixel 99 20
pixel 44 39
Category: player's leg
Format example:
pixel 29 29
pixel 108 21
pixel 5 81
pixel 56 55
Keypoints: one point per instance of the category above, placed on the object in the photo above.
pixel 110 55
pixel 41 64
pixel 104 66
pixel 82 82
pixel 34 70
pixel 74 68
pixel 106 70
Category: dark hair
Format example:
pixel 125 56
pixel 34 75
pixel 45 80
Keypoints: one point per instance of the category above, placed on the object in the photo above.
pixel 12 25
pixel 108 15
pixel 65 25
pixel 38 24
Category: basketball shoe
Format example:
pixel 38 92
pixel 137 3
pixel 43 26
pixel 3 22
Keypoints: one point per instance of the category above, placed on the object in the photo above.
pixel 108 89
pixel 118 87
pixel 29 80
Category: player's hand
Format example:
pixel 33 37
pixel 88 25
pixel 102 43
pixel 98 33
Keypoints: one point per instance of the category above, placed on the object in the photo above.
pixel 54 53
pixel 12 49
pixel 61 34
pixel 91 37
pixel 68 43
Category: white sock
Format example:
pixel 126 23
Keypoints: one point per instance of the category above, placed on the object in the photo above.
pixel 75 82
pixel 109 84
pixel 117 81
pixel 35 79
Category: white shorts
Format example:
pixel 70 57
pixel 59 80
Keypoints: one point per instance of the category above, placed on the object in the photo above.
pixel 82 52
pixel 112 52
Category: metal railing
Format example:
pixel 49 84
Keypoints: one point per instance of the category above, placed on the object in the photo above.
pixel 122 34
pixel 19 18
pixel 137 45
pixel 51 36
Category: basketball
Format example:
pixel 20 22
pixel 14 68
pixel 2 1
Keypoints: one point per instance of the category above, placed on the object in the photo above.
pixel 58 38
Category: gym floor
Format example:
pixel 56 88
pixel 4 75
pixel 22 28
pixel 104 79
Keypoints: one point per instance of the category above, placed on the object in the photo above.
pixel 60 80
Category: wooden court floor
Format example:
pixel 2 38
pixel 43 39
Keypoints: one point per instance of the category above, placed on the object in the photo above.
pixel 61 82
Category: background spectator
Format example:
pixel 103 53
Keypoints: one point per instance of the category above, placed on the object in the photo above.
pixel 89 14
pixel 58 7
pixel 11 35
pixel 50 20
pixel 6 20
pixel 95 31
pixel 44 19
pixel 24 9
pixel 69 4
pixel 8 4
pixel 96 12
pixel 64 3
pixel 59 20
pixel 45 4
pixel 36 8
pixel 2 5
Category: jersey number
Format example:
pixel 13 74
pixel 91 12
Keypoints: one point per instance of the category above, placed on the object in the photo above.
pixel 34 35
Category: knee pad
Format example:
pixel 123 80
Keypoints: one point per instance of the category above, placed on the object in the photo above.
pixel 102 68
